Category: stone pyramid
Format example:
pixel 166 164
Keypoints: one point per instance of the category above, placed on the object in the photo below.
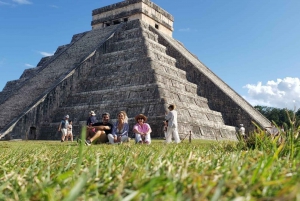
pixel 128 61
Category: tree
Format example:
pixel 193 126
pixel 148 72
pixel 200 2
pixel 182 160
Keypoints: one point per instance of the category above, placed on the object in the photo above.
pixel 279 116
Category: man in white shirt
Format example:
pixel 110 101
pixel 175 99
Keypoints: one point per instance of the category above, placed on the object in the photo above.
pixel 172 129
pixel 242 130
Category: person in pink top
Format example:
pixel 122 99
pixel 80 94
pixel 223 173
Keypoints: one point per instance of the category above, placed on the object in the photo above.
pixel 142 130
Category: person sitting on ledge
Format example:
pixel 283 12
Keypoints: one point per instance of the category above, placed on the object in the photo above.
pixel 142 130
pixel 102 130
pixel 120 130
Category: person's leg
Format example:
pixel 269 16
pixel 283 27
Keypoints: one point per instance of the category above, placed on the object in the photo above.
pixel 110 139
pixel 67 137
pixel 148 139
pixel 138 138
pixel 124 139
pixel 63 134
pixel 96 136
pixel 71 137
pixel 176 135
pixel 169 135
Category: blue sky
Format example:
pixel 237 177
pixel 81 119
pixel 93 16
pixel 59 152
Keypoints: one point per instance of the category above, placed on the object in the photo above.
pixel 254 46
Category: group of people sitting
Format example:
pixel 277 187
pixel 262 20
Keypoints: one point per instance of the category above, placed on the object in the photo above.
pixel 105 132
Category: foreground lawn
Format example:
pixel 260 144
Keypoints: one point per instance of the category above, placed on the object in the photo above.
pixel 201 170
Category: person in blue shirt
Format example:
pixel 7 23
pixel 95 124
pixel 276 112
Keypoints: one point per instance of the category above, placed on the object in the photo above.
pixel 120 129
pixel 92 119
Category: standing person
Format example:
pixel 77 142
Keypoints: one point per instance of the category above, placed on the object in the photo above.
pixel 70 131
pixel 273 130
pixel 171 117
pixel 92 119
pixel 120 130
pixel 102 130
pixel 142 130
pixel 63 128
pixel 242 131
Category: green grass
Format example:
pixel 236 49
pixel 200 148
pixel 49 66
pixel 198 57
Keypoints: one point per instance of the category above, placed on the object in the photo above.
pixel 201 170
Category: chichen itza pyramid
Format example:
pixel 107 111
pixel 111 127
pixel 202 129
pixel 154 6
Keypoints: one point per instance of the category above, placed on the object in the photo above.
pixel 128 61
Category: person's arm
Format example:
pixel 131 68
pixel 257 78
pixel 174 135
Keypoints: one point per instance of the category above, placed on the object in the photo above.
pixel 149 129
pixel 114 130
pixel 59 127
pixel 125 130
pixel 168 116
pixel 136 130
pixel 103 127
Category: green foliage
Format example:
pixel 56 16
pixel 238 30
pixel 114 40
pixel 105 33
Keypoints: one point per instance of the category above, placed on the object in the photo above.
pixel 279 116
pixel 201 170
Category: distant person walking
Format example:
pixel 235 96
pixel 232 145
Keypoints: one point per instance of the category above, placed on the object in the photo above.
pixel 70 131
pixel 172 129
pixel 63 127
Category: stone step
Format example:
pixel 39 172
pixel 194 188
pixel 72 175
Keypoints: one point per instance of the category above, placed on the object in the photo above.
pixel 137 53
pixel 161 57
pixel 102 81
pixel 134 33
pixel 134 66
pixel 135 92
pixel 150 107
pixel 133 43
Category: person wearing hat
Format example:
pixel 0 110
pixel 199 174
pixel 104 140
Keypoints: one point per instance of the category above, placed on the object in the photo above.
pixel 92 119
pixel 172 130
pixel 142 130
pixel 63 127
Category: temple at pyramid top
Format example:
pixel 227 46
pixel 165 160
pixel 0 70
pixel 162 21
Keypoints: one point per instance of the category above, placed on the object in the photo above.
pixel 129 10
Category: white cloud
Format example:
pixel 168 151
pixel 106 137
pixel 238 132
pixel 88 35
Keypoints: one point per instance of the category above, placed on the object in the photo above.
pixel 29 65
pixel 282 93
pixel 22 1
pixel 184 30
pixel 46 54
